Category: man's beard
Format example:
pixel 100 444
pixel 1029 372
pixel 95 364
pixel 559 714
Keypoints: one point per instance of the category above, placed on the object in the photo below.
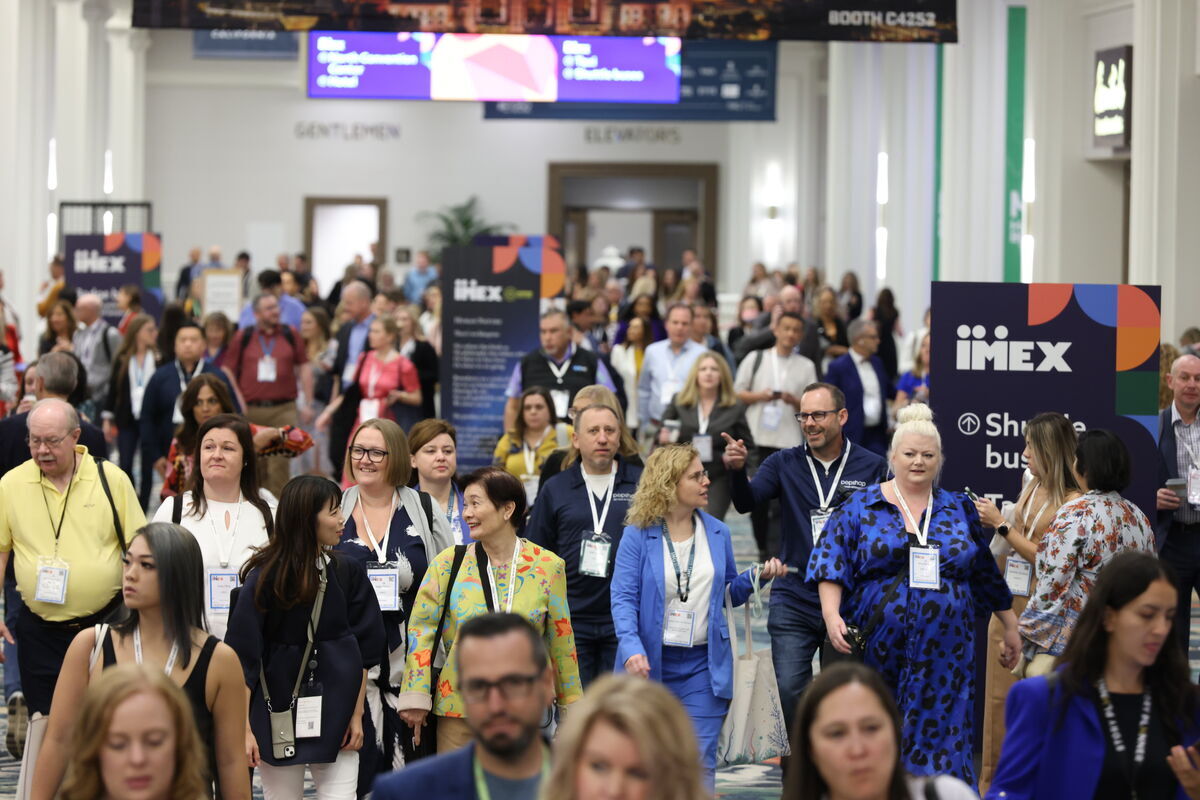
pixel 504 746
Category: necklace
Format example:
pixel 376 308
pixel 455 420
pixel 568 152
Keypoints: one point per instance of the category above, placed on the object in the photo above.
pixel 1118 741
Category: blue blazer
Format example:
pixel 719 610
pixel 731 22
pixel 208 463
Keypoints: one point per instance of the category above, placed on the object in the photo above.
pixel 639 600
pixel 1043 759
pixel 1168 467
pixel 449 776
pixel 843 374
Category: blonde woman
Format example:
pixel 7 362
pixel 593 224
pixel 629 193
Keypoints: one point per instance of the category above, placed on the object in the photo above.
pixel 627 738
pixel 673 566
pixel 1050 442
pixel 706 407
pixel 594 395
pixel 412 345
pixel 135 703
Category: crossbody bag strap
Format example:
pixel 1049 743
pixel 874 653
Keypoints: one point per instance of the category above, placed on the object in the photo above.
pixel 485 578
pixel 460 550
pixel 111 503
pixel 888 597
pixel 312 628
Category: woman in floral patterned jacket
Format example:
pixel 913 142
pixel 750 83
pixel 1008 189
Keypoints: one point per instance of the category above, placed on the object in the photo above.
pixel 1085 535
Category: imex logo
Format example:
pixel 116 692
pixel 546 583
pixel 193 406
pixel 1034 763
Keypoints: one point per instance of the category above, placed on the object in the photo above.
pixel 976 354
pixel 92 261
pixel 471 291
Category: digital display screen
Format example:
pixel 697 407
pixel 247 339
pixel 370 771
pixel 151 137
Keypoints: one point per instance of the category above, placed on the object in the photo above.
pixel 532 69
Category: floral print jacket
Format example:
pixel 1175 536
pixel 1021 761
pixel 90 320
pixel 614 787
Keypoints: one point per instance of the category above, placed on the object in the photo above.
pixel 1084 535
pixel 541 597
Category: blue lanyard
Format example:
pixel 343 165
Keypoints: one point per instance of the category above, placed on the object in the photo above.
pixel 263 344
pixel 684 589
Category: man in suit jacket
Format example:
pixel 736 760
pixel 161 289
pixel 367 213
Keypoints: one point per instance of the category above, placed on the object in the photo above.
pixel 351 343
pixel 96 342
pixel 859 374
pixel 506 683
pixel 1177 528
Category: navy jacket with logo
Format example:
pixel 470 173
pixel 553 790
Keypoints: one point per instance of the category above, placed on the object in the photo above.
pixel 786 475
pixel 562 518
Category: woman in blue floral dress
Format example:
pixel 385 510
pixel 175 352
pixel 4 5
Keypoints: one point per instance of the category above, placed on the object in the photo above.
pixel 921 552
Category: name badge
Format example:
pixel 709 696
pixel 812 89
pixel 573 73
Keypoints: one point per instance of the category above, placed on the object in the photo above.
pixel 176 414
pixel 266 369
pixel 218 586
pixel 368 409
pixel 1018 574
pixel 669 388
pixel 386 583
pixel 562 402
pixel 703 443
pixel 531 488
pixel 679 629
pixel 819 518
pixel 308 717
pixel 772 416
pixel 593 556
pixel 924 568
pixel 1194 486
pixel 52 578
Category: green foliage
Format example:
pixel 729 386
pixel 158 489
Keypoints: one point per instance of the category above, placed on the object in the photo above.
pixel 459 225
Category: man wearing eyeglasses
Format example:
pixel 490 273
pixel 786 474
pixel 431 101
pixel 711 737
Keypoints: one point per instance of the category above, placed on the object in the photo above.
pixel 506 683
pixel 860 375
pixel 59 515
pixel 810 480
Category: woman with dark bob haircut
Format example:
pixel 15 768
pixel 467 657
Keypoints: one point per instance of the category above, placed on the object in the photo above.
pixel 1085 534
pixel 1114 719
pixel 499 571
pixel 846 743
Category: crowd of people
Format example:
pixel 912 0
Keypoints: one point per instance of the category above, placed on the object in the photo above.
pixel 247 543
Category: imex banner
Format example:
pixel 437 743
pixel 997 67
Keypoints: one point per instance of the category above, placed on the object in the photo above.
pixel 1004 352
pixel 101 264
pixel 492 298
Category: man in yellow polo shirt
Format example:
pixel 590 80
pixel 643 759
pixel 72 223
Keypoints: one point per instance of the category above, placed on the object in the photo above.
pixel 61 523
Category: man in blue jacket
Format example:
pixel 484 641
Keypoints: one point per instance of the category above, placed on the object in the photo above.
pixel 506 683
pixel 579 515
pixel 860 376
pixel 810 480
pixel 1177 528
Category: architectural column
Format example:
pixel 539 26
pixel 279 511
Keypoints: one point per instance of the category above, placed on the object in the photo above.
pixel 80 118
pixel 126 133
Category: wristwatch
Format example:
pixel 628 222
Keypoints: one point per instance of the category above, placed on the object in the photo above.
pixel 1003 529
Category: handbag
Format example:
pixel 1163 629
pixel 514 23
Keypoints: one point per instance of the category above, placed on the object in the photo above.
pixel 857 637
pixel 283 723
pixel 428 745
pixel 754 729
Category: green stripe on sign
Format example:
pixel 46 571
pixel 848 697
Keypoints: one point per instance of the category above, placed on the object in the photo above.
pixel 1014 144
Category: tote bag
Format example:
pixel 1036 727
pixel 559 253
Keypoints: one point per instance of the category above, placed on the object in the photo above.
pixel 754 729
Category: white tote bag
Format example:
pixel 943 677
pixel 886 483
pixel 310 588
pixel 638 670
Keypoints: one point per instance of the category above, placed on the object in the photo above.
pixel 754 729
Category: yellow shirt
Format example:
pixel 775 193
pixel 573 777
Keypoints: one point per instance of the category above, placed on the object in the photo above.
pixel 509 454
pixel 30 506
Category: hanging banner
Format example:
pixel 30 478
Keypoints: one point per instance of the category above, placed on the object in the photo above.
pixel 1005 352
pixel 817 20
pixel 100 264
pixel 492 298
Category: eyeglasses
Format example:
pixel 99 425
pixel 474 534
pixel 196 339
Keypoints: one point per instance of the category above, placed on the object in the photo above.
pixel 698 476
pixel 512 687
pixel 35 442
pixel 815 416
pixel 374 456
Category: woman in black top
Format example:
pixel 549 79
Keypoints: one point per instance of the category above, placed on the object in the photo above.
pixel 133 365
pixel 1112 721
pixel 825 336
pixel 412 344
pixel 270 627
pixel 163 626
pixel 887 317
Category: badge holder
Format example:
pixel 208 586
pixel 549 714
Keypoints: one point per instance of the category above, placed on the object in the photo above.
pixel 703 443
pixel 562 402
pixel 1018 574
pixel 772 415
pixel 283 723
pixel 680 629
pixel 924 568
pixel 219 585
pixel 531 488
pixel 1193 487
pixel 52 576
pixel 593 555
pixel 819 517
pixel 385 580
pixel 266 369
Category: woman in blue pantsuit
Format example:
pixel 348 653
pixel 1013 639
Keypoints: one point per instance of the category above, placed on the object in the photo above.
pixel 673 565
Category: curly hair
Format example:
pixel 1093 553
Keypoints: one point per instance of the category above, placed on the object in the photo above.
pixel 115 685
pixel 659 485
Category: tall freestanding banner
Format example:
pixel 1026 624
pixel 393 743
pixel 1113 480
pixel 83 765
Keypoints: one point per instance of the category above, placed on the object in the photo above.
pixel 1004 352
pixel 492 297
pixel 102 264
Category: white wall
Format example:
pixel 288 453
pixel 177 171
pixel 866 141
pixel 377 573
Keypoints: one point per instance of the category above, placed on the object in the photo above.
pixel 621 229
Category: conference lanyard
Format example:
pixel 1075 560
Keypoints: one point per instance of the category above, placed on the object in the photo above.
pixel 1118 741
pixel 681 587
pixel 599 518
pixel 481 787
pixel 137 651
pixel 184 378
pixel 703 418
pixel 512 580
pixel 140 372
pixel 821 497
pixel 531 453
pixel 63 515
pixel 1025 520
pixel 380 547
pixel 922 533
pixel 454 506
pixel 560 370
pixel 262 343
pixel 224 554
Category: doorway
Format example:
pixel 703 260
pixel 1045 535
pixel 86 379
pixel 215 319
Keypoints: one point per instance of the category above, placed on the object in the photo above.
pixel 340 230
pixel 663 208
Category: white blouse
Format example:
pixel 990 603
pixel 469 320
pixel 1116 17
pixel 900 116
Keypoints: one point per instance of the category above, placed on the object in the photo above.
pixel 703 573
pixel 223 549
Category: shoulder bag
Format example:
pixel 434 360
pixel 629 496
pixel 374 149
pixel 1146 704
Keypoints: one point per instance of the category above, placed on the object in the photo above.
pixel 283 723
pixel 857 637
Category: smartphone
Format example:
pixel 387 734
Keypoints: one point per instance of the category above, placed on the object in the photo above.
pixel 1179 487
pixel 776 394
pixel 971 494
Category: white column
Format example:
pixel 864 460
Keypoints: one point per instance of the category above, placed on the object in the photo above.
pixel 1164 203
pixel 855 120
pixel 81 96
pixel 126 132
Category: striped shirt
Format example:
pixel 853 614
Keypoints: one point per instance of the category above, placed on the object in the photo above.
pixel 1187 455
